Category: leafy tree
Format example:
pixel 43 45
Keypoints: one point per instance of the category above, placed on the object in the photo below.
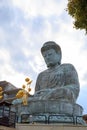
pixel 78 10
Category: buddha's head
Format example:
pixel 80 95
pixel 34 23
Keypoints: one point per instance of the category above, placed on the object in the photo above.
pixel 51 53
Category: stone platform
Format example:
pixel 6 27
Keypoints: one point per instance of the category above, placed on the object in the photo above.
pixel 50 111
pixel 54 107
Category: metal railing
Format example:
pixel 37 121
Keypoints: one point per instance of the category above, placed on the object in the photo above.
pixel 61 119
pixel 47 119
pixel 27 118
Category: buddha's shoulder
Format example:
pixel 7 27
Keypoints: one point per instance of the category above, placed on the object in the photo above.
pixel 43 72
pixel 67 66
pixel 63 67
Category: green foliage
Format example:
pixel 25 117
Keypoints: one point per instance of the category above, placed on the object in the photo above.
pixel 78 10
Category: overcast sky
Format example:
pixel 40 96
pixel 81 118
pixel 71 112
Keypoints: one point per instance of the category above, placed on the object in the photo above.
pixel 24 26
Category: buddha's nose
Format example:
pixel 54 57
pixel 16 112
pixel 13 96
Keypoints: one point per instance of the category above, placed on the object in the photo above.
pixel 47 57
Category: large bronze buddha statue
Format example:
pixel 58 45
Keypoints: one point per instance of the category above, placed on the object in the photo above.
pixel 59 81
pixel 57 88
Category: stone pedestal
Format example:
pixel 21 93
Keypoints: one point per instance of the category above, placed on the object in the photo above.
pixel 51 111
pixel 56 111
pixel 54 107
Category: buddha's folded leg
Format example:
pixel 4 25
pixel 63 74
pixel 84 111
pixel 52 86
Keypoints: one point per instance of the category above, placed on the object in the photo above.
pixel 60 93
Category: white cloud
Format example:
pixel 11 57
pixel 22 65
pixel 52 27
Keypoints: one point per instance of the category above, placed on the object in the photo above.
pixel 4 55
pixel 3 35
pixel 37 64
pixel 9 74
pixel 25 33
pixel 40 7
pixel 5 3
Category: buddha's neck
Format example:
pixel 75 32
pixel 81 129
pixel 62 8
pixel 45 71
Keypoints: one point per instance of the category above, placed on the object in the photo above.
pixel 53 66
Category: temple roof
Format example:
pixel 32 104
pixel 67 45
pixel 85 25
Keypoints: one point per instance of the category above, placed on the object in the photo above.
pixel 9 90
pixel 12 91
pixel 5 83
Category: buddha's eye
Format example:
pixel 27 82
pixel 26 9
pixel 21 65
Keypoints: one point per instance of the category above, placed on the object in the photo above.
pixel 49 54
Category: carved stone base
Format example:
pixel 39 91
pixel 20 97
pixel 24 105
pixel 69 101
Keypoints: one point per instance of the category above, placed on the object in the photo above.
pixel 53 110
pixel 54 106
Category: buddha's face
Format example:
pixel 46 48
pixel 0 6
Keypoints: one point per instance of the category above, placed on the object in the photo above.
pixel 51 57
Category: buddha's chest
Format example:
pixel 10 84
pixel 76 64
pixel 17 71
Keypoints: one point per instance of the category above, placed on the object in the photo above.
pixel 52 79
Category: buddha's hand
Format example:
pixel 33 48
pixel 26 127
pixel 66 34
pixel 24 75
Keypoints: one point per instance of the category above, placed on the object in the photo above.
pixel 66 92
pixel 60 93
